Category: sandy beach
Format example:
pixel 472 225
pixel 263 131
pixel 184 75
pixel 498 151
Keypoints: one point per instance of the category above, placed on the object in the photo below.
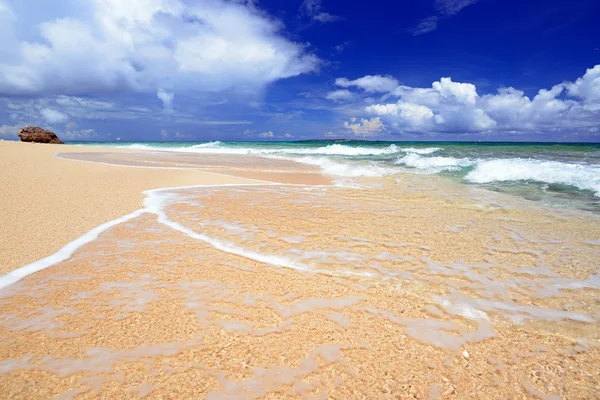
pixel 395 287
pixel 47 201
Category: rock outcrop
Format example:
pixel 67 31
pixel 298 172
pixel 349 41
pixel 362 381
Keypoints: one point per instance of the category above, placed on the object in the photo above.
pixel 38 135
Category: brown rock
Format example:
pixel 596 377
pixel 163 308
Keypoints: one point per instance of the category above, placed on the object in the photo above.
pixel 38 135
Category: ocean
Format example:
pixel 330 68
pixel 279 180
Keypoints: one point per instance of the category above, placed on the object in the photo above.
pixel 557 174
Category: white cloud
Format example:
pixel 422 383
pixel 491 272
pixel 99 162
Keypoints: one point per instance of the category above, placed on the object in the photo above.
pixel 326 17
pixel 416 115
pixel 164 133
pixel 370 83
pixel 364 127
pixel 314 10
pixel 52 116
pixel 444 9
pixel 450 106
pixel 587 87
pixel 268 134
pixel 80 106
pixel 341 47
pixel 114 45
pixel 464 93
pixel 425 96
pixel 452 7
pixel 73 107
pixel 80 134
pixel 340 95
pixel 166 98
pixel 425 25
pixel 287 136
pixel 179 135
pixel 9 130
pixel 220 122
pixel 311 7
pixel 6 10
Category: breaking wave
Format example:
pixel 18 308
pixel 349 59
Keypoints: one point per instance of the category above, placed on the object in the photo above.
pixel 583 177
pixel 433 165
pixel 347 169
pixel 219 148
pixel 580 176
pixel 424 151
pixel 207 145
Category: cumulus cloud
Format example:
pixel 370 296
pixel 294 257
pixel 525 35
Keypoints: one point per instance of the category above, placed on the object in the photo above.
pixel 416 115
pixel 114 45
pixel 456 107
pixel 164 133
pixel 340 95
pixel 364 127
pixel 370 83
pixel 166 98
pixel 587 87
pixel 464 93
pixel 52 116
pixel 268 134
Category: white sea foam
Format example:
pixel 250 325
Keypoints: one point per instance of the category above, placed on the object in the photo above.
pixel 207 145
pixel 158 199
pixel 584 177
pixel 153 204
pixel 476 308
pixel 423 151
pixel 346 169
pixel 338 150
pixel 63 253
pixel 204 148
pixel 433 165
pixel 219 148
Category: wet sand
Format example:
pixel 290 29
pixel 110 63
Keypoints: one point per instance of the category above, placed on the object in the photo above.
pixel 47 202
pixel 400 287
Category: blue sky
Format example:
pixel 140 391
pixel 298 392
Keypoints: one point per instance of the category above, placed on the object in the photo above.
pixel 291 70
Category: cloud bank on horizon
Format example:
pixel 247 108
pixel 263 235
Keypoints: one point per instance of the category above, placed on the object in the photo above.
pixel 241 69
pixel 455 107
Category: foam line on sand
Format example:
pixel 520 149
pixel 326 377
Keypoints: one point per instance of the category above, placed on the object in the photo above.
pixel 68 250
pixel 65 252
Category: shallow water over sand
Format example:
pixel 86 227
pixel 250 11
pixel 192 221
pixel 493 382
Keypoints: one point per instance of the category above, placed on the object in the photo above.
pixel 397 287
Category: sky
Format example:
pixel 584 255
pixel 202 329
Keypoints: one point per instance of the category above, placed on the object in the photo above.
pixel 242 70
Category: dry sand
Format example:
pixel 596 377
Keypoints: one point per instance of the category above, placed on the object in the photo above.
pixel 47 202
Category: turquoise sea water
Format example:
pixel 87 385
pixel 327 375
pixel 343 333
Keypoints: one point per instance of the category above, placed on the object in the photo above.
pixel 565 175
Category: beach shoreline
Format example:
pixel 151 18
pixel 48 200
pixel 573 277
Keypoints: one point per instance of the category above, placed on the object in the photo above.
pixel 48 202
